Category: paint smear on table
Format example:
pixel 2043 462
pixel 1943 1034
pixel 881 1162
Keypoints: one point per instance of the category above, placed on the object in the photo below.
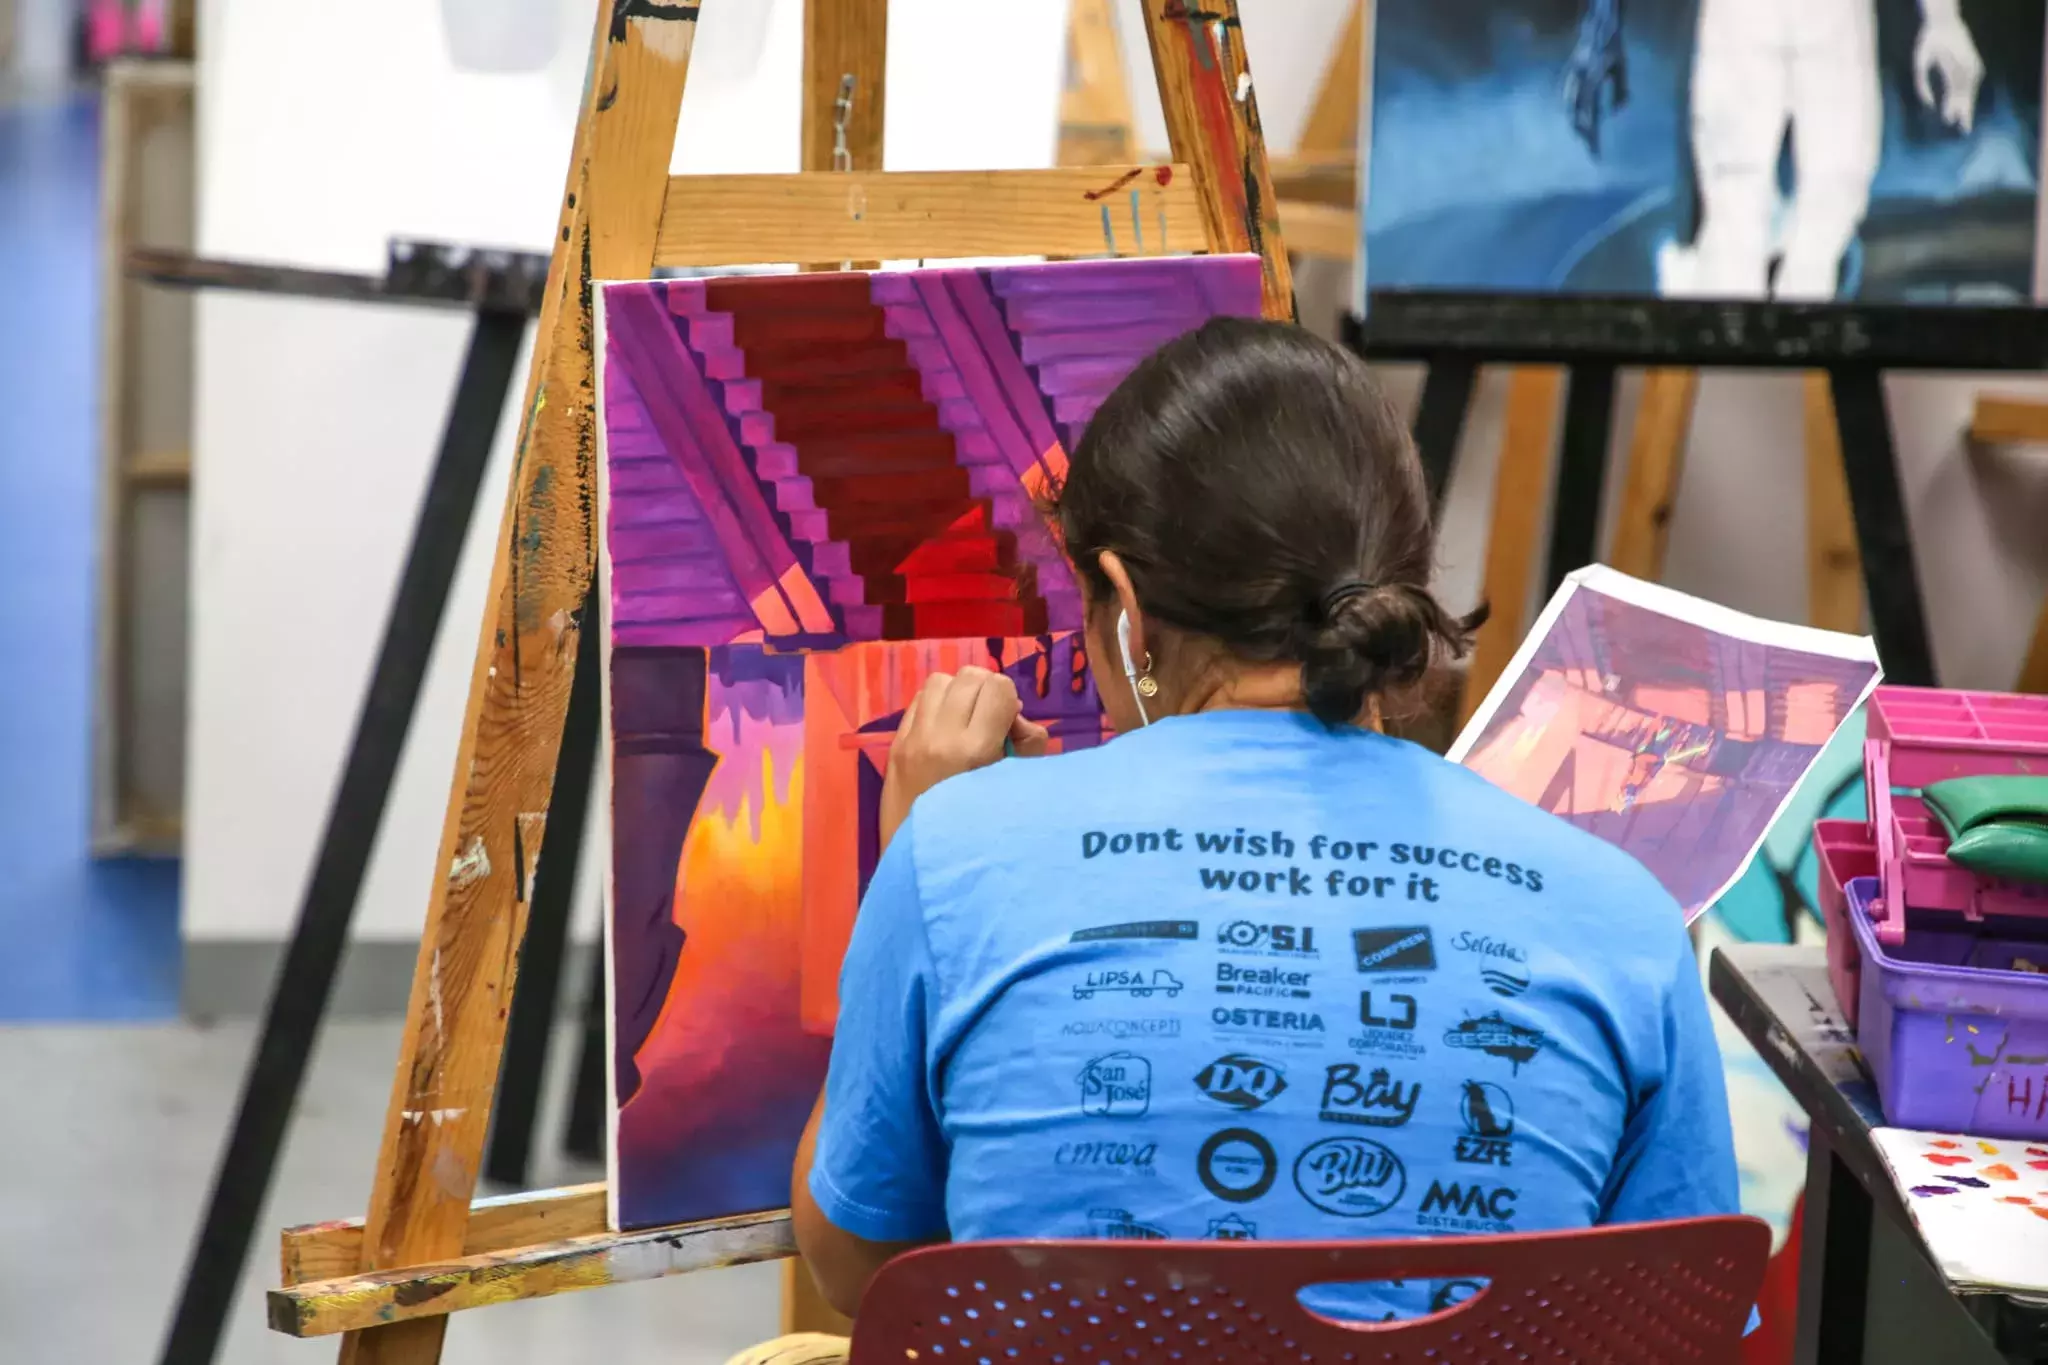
pixel 1971 1219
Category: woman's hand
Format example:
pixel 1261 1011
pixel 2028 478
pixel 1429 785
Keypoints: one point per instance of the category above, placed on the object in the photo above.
pixel 955 724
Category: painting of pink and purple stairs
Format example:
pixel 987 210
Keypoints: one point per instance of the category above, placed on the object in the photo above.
pixel 816 489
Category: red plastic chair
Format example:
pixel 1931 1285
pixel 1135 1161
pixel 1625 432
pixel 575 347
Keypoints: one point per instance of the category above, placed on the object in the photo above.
pixel 1642 1294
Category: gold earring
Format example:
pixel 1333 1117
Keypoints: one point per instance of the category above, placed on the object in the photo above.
pixel 1148 686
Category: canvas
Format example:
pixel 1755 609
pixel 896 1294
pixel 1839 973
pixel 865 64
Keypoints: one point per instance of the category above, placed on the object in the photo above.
pixel 1673 728
pixel 1855 149
pixel 815 490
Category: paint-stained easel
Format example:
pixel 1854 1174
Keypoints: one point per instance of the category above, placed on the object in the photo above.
pixel 390 1279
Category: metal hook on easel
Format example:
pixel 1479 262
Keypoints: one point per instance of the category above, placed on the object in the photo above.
pixel 842 157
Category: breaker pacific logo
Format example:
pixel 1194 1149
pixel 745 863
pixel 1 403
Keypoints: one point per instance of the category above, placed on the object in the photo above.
pixel 1118 1086
pixel 1241 1082
pixel 1232 979
pixel 1290 940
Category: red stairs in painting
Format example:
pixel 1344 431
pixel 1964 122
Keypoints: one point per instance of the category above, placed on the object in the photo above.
pixel 856 462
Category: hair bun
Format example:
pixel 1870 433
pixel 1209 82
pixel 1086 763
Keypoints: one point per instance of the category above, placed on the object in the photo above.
pixel 1372 637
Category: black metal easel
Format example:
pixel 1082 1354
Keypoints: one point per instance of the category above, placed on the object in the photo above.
pixel 1592 337
pixel 503 289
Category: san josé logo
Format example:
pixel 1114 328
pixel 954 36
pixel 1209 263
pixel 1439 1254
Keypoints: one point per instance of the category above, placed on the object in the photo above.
pixel 1241 1081
pixel 1246 936
pixel 1116 1086
pixel 1351 1177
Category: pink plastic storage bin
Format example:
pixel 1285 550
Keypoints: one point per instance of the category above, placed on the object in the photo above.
pixel 1845 852
pixel 1920 735
pixel 1954 1023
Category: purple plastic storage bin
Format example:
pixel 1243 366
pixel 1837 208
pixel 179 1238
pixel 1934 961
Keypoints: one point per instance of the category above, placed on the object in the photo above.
pixel 1955 1035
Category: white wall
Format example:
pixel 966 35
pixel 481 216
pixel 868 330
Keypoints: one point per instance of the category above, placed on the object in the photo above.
pixel 325 130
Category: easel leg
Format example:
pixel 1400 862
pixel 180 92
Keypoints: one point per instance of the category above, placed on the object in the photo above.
pixel 583 1137
pixel 1834 1261
pixel 1656 462
pixel 1834 571
pixel 531 1025
pixel 1897 616
pixel 1440 422
pixel 1528 436
pixel 304 982
pixel 1581 473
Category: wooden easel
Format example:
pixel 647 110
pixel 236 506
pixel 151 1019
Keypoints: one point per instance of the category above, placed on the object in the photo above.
pixel 389 1280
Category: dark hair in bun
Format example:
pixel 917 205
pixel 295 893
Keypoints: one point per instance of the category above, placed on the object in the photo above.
pixel 1262 492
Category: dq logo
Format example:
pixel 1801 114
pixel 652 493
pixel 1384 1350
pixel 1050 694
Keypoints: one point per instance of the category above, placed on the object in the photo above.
pixel 1350 1177
pixel 1241 1082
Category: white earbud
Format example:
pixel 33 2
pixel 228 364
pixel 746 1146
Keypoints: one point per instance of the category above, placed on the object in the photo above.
pixel 1123 645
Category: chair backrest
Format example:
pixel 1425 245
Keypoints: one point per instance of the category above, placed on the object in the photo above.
pixel 1640 1294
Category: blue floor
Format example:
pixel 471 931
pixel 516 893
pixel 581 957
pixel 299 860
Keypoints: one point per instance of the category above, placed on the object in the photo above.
pixel 79 940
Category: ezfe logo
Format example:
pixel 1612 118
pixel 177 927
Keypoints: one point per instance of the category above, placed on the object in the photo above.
pixel 1236 1165
pixel 1118 1086
pixel 1407 949
pixel 1130 980
pixel 1489 1115
pixel 1241 1082
pixel 1278 940
pixel 1496 1037
pixel 1463 1207
pixel 1232 979
pixel 1379 1101
pixel 1351 1177
pixel 1123 1157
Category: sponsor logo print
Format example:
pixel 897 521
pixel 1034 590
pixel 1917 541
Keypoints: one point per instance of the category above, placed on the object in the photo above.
pixel 1451 1293
pixel 1467 1207
pixel 1351 1177
pixel 1237 1165
pixel 1278 940
pixel 1389 1021
pixel 1232 979
pixel 1131 980
pixel 1117 1225
pixel 1500 954
pixel 1231 1228
pixel 1107 1156
pixel 1489 1115
pixel 1411 948
pixel 1118 1086
pixel 1241 1082
pixel 1121 1029
pixel 1495 1036
pixel 1141 928
pixel 1379 1101
pixel 1300 1025
pixel 1505 984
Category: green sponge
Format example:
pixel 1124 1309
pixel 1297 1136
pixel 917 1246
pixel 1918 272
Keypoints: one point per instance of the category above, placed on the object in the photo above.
pixel 1996 825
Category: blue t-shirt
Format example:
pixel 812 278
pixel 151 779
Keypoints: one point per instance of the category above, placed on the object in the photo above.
pixel 1237 975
